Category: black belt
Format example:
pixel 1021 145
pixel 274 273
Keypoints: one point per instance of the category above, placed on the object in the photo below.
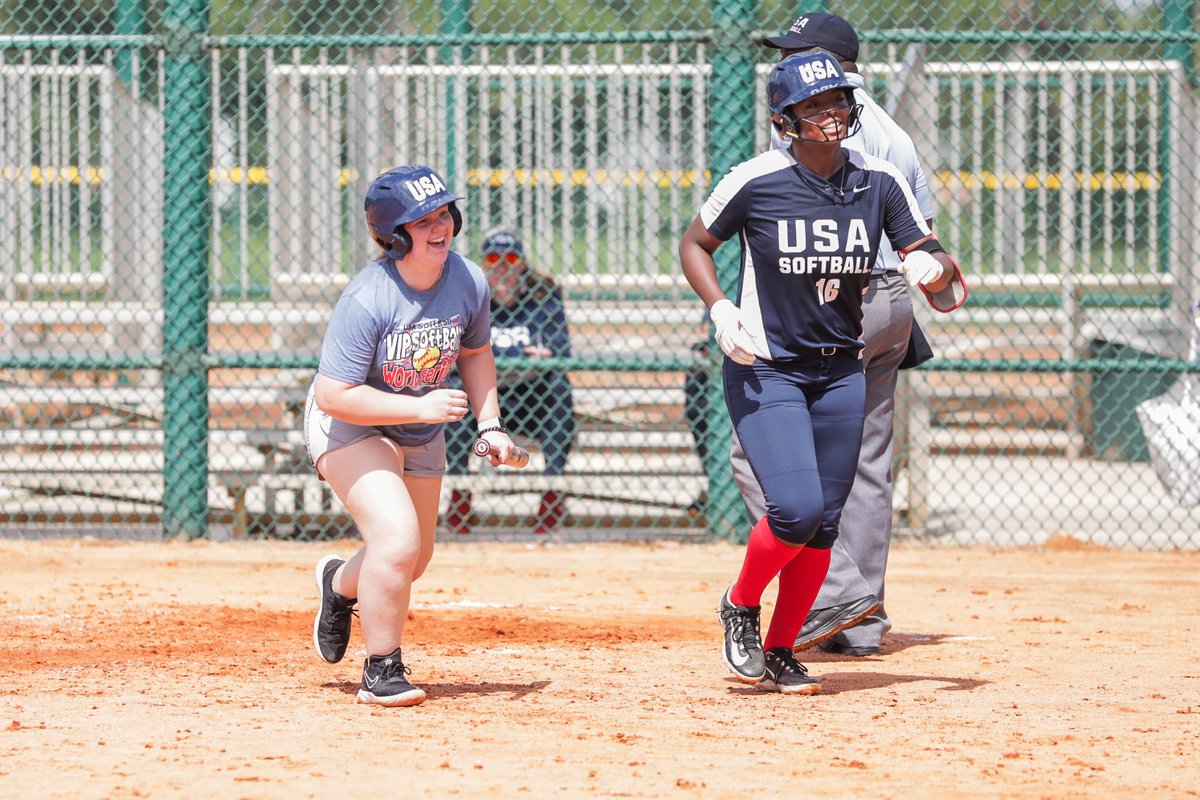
pixel 886 273
pixel 817 354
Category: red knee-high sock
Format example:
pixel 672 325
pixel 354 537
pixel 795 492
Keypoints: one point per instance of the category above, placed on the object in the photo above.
pixel 765 556
pixel 799 583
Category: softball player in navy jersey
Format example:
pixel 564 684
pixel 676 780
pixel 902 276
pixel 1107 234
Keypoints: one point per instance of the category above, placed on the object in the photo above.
pixel 374 417
pixel 811 221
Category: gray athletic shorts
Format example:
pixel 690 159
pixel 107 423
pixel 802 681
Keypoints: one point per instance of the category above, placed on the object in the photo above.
pixel 323 434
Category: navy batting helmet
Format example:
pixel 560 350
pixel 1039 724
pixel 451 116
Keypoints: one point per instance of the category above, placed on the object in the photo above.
pixel 801 76
pixel 403 195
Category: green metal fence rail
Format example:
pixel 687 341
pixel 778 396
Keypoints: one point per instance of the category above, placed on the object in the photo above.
pixel 180 203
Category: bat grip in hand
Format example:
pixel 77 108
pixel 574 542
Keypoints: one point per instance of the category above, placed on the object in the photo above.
pixel 518 459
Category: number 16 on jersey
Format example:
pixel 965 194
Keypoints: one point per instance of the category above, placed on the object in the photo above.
pixel 827 289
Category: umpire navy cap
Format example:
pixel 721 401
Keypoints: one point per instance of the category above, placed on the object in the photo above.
pixel 826 31
pixel 503 240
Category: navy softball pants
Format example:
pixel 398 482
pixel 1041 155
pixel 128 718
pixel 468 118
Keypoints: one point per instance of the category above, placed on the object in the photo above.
pixel 801 426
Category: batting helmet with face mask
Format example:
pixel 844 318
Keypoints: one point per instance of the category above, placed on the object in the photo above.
pixel 803 75
pixel 403 195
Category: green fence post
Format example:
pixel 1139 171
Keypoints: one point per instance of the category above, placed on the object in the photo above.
pixel 731 141
pixel 1177 18
pixel 130 20
pixel 456 25
pixel 186 222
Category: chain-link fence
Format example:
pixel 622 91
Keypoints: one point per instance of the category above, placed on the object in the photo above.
pixel 180 204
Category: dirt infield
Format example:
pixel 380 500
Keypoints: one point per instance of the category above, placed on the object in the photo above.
pixel 186 670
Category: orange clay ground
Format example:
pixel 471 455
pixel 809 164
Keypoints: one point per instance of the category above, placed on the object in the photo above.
pixel 592 670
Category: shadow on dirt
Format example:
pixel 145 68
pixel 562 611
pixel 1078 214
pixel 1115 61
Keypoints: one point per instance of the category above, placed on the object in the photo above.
pixel 443 691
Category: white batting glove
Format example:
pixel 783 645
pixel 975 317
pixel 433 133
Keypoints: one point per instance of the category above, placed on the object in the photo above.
pixel 729 331
pixel 501 446
pixel 921 269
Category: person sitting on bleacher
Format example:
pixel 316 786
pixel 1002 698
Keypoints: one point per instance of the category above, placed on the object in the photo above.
pixel 528 322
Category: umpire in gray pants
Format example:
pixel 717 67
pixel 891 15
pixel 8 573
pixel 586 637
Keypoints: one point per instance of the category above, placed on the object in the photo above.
pixel 848 616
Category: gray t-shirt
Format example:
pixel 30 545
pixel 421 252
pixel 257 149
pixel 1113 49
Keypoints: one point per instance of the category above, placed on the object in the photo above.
pixel 389 336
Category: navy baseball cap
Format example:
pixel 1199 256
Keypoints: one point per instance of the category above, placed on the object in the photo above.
pixel 826 31
pixel 503 240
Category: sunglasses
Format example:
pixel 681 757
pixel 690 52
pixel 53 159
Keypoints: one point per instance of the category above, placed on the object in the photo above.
pixel 492 259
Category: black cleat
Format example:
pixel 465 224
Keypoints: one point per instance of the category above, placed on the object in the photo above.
pixel 743 647
pixel 858 651
pixel 331 628
pixel 823 623
pixel 787 675
pixel 384 684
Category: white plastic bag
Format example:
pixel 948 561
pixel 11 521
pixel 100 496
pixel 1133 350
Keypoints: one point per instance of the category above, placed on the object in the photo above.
pixel 1171 423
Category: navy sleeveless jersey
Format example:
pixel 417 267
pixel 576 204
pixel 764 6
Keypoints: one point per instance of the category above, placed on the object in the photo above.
pixel 808 245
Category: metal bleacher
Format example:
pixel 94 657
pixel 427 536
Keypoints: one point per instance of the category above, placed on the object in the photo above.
pixel 90 293
pixel 633 455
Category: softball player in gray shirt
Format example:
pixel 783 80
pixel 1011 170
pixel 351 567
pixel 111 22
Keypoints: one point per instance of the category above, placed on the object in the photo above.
pixel 374 417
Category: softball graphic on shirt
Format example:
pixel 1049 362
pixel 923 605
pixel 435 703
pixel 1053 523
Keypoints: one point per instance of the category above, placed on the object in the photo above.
pixel 421 354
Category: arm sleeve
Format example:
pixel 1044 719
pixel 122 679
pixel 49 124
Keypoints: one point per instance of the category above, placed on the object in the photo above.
pixel 920 189
pixel 477 331
pixel 724 212
pixel 903 153
pixel 350 344
pixel 903 221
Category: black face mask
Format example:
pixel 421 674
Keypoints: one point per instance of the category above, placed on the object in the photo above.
pixel 792 125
